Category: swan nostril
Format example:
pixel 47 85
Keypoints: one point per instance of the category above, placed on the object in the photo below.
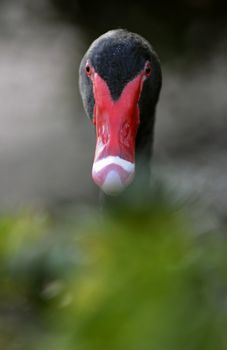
pixel 125 129
pixel 103 134
pixel 125 134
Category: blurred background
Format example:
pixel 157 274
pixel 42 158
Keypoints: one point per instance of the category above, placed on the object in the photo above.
pixel 149 272
pixel 47 143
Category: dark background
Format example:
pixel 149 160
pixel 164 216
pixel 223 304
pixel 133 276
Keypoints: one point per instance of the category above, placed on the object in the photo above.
pixel 46 142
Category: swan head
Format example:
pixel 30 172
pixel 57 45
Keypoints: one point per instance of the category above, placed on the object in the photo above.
pixel 120 80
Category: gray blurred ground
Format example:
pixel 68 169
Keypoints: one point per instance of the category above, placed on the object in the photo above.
pixel 46 143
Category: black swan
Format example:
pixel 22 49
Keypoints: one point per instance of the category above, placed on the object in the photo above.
pixel 120 81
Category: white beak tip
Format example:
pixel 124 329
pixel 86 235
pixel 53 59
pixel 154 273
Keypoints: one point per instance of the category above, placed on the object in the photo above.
pixel 113 174
pixel 112 184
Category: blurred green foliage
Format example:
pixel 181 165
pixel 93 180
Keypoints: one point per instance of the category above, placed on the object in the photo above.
pixel 138 278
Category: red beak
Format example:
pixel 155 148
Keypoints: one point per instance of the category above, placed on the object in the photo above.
pixel 116 128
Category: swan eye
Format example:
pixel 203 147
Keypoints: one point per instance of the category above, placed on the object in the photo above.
pixel 147 69
pixel 88 69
